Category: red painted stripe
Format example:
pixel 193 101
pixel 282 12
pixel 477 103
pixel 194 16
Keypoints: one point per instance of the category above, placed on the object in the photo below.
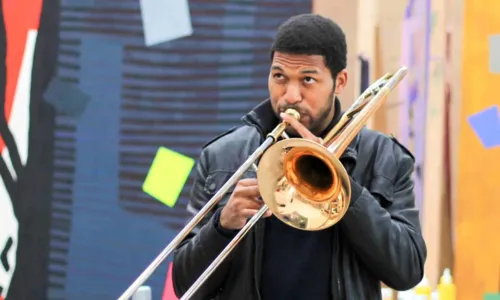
pixel 19 17
pixel 168 291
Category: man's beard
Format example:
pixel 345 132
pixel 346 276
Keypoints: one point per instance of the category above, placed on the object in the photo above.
pixel 319 124
pixel 316 125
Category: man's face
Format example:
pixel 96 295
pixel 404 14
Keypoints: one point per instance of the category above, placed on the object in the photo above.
pixel 304 82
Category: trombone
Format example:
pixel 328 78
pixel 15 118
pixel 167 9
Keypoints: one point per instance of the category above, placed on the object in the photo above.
pixel 302 182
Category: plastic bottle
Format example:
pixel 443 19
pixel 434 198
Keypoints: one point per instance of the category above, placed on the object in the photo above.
pixel 446 287
pixel 406 295
pixel 386 294
pixel 423 289
pixel 435 295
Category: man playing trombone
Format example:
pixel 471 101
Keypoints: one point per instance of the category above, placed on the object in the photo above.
pixel 378 238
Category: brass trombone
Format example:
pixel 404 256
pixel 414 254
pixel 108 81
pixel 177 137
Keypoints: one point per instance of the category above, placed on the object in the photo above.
pixel 302 182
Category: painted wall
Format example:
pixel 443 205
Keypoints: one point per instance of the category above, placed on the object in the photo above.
pixel 90 91
pixel 477 248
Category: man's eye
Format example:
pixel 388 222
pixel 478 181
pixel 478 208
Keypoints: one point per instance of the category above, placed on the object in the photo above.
pixel 309 80
pixel 278 76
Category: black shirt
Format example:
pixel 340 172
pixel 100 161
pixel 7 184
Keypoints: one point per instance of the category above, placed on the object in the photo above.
pixel 297 264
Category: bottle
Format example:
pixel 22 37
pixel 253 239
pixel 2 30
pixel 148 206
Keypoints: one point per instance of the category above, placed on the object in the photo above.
pixel 423 289
pixel 387 294
pixel 406 295
pixel 446 287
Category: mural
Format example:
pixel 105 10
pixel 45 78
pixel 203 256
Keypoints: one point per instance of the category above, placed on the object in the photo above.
pixel 91 90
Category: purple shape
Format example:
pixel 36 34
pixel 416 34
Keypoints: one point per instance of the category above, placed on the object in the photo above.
pixel 486 125
pixel 413 92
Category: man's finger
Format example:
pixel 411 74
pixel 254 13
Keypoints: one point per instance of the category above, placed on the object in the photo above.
pixel 301 129
pixel 249 203
pixel 248 191
pixel 248 182
pixel 248 213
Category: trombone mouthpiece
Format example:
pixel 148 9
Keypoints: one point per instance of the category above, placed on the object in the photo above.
pixel 292 112
pixel 278 131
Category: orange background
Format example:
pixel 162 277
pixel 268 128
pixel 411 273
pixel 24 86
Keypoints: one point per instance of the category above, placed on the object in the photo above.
pixel 477 256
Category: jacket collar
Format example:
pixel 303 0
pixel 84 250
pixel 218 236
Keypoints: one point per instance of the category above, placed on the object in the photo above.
pixel 264 119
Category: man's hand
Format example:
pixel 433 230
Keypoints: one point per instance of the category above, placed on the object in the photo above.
pixel 301 129
pixel 243 204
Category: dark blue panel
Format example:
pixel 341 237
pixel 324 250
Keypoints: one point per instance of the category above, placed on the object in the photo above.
pixel 95 187
pixel 93 259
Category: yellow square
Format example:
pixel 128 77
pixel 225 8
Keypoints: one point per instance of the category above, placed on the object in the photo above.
pixel 167 176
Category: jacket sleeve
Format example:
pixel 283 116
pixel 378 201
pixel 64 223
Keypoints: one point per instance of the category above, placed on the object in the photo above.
pixel 386 234
pixel 203 245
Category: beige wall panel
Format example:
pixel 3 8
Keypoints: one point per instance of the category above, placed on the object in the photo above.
pixel 434 137
pixel 390 16
pixel 345 13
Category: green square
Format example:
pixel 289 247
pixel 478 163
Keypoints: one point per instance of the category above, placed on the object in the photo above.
pixel 167 176
pixel 491 297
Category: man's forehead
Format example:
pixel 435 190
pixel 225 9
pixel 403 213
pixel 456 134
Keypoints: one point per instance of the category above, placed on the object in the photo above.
pixel 298 61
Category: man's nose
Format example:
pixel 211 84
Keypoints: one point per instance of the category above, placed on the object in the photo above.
pixel 293 94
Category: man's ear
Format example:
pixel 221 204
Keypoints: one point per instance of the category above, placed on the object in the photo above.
pixel 340 82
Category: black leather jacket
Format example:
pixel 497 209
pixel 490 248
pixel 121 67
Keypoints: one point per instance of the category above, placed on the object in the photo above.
pixel 378 240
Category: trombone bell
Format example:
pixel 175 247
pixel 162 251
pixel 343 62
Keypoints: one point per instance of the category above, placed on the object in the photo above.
pixel 303 184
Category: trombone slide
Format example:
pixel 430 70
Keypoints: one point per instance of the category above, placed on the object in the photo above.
pixel 218 260
pixel 270 139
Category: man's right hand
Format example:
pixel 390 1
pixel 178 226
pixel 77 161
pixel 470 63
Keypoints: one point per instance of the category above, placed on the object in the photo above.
pixel 243 204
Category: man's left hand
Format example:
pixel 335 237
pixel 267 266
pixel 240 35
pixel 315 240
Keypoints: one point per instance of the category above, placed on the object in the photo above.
pixel 300 128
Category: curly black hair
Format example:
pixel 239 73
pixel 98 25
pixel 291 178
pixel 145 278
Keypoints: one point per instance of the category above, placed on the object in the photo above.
pixel 312 34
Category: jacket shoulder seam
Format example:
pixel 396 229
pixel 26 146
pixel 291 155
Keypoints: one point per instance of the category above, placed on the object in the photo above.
pixel 402 147
pixel 217 137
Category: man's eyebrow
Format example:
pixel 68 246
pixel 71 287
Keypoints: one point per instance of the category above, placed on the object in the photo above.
pixel 309 71
pixel 306 71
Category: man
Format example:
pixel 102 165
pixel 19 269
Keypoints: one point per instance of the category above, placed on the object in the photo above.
pixel 379 238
